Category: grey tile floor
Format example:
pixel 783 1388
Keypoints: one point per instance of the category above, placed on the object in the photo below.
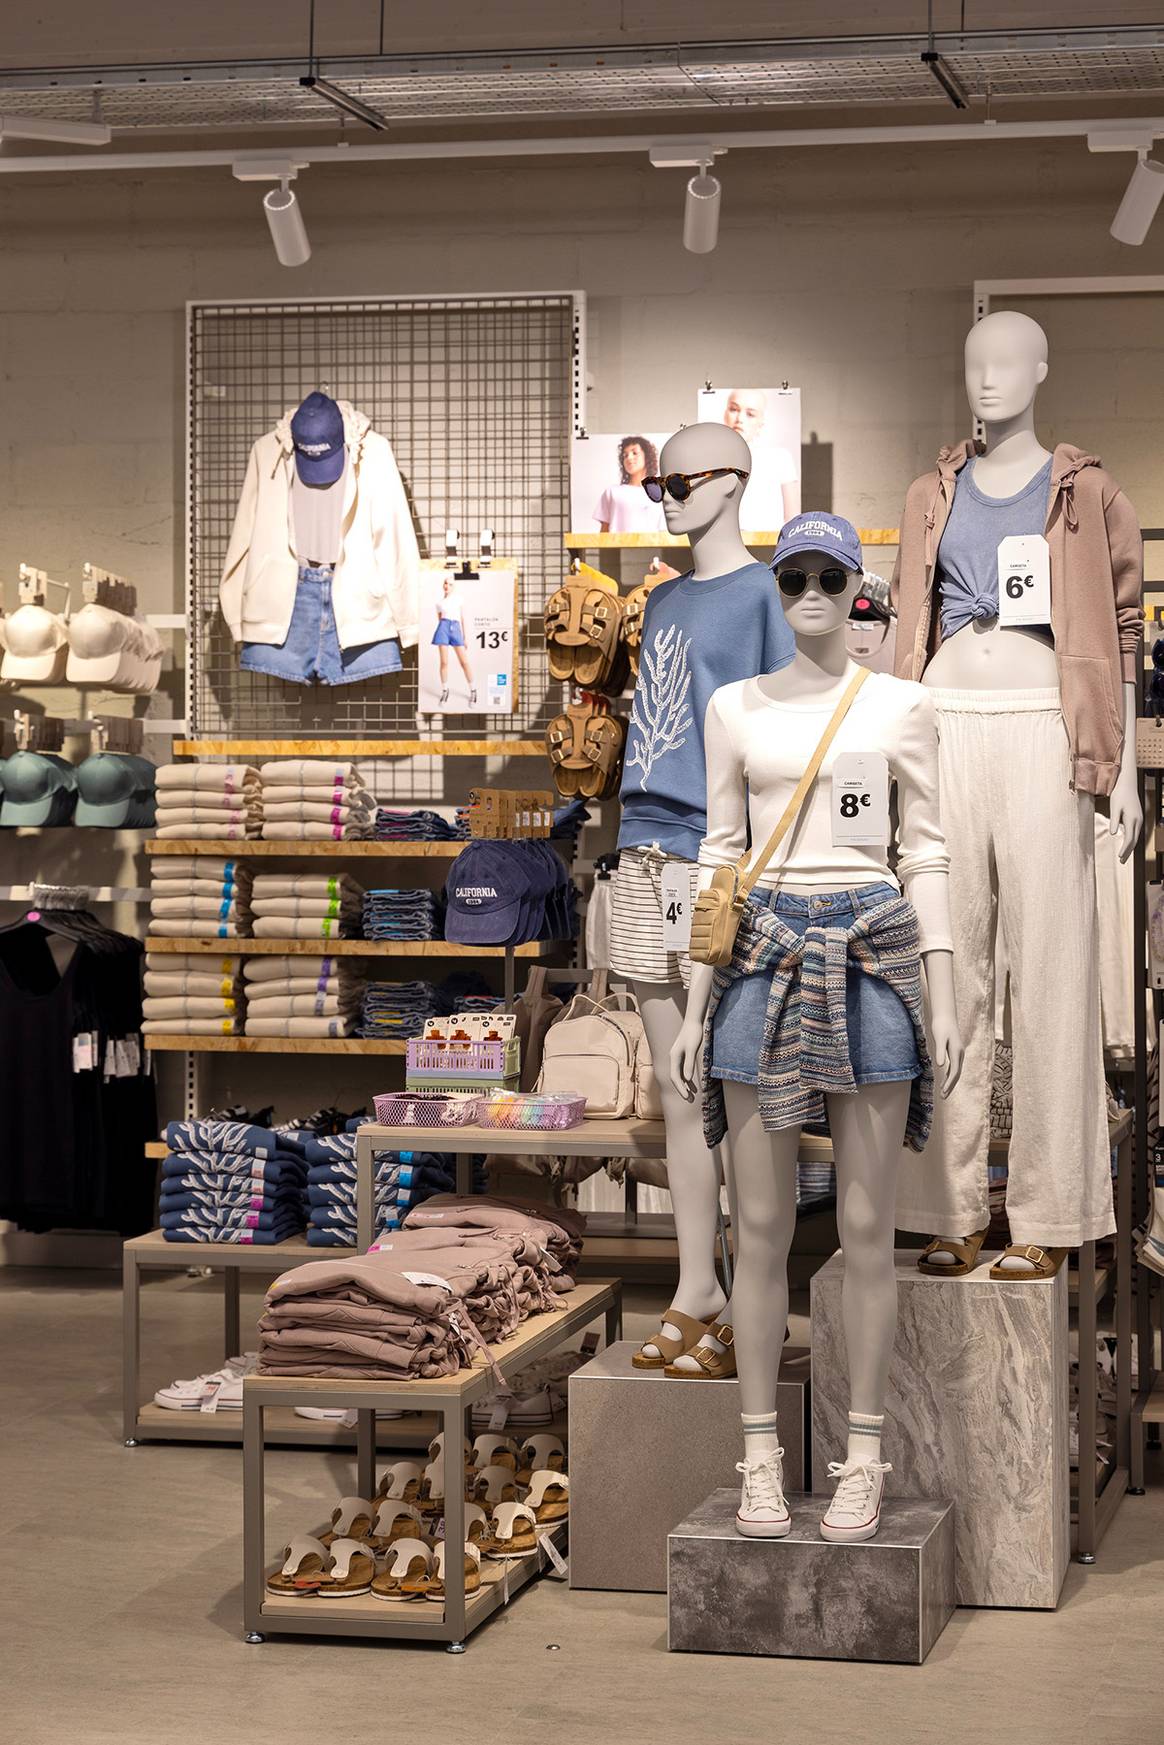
pixel 120 1602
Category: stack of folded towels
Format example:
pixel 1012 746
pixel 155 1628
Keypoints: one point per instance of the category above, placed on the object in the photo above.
pixel 305 906
pixel 302 996
pixel 209 800
pixel 403 1179
pixel 312 799
pixel 229 1181
pixel 192 995
pixel 419 825
pixel 199 897
pixel 402 914
pixel 366 1317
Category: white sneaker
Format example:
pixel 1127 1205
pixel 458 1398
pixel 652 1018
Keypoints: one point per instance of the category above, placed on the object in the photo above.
pixel 763 1512
pixel 855 1511
pixel 219 1387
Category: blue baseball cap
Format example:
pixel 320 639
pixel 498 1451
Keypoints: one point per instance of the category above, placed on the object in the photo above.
pixel 115 791
pixel 486 891
pixel 38 788
pixel 817 531
pixel 317 430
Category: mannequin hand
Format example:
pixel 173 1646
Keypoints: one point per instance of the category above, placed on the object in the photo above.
pixel 686 1061
pixel 1127 817
pixel 949 1054
pixel 945 1036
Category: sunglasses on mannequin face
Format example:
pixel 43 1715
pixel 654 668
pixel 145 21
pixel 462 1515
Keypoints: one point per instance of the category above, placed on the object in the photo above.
pixel 793 582
pixel 680 485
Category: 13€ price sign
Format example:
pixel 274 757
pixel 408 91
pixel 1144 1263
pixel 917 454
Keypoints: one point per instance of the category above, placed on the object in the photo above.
pixel 860 800
pixel 1024 580
pixel 468 641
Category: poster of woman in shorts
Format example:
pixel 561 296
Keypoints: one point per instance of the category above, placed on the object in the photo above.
pixel 468 654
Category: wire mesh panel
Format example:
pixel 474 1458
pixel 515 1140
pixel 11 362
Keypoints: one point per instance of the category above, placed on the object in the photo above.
pixel 476 397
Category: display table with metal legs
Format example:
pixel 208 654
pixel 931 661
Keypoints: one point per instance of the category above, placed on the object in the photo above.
pixel 449 1398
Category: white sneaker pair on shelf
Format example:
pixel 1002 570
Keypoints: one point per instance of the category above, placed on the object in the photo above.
pixel 218 1389
pixel 853 1515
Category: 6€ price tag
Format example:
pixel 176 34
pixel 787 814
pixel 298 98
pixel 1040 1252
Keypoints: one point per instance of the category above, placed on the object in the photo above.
pixel 676 884
pixel 860 800
pixel 1024 579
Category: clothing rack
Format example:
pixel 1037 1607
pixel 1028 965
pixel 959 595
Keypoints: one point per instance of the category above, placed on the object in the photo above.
pixel 53 896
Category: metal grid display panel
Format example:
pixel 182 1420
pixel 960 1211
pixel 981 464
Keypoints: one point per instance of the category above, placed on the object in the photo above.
pixel 476 398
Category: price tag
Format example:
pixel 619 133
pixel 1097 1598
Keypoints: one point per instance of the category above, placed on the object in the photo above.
pixel 499 1416
pixel 860 800
pixel 676 884
pixel 590 1344
pixel 559 1563
pixel 1024 579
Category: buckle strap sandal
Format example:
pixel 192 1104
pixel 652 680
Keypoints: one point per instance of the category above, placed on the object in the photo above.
pixel 603 742
pixel 965 1255
pixel 713 1365
pixel 634 613
pixel 1044 1262
pixel 691 1332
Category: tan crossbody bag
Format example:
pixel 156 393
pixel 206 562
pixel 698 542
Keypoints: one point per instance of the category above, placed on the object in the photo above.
pixel 719 909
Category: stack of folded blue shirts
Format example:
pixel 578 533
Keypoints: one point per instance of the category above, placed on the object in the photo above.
pixel 420 825
pixel 402 1178
pixel 397 914
pixel 230 1181
pixel 399 1009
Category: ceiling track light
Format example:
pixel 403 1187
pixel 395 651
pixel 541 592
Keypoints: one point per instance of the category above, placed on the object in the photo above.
pixel 280 207
pixel 345 102
pixel 1140 203
pixel 701 212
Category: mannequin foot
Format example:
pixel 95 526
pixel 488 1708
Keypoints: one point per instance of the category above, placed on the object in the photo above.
pixel 855 1511
pixel 1028 1260
pixel 763 1511
pixel 952 1256
pixel 673 1338
pixel 444 696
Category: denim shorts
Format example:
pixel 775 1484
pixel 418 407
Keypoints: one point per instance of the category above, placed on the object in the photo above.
pixel 311 650
pixel 448 634
pixel 882 1041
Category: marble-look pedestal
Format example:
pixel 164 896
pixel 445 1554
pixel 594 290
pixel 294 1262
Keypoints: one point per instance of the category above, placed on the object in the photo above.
pixel 887 1599
pixel 645 1449
pixel 976 1411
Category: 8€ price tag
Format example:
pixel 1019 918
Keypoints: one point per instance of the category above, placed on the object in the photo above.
pixel 676 893
pixel 860 800
pixel 1024 579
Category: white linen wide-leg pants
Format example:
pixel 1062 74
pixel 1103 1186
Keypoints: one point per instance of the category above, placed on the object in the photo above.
pixel 1022 858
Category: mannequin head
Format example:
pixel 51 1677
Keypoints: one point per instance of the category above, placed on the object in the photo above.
pixel 1006 361
pixel 712 500
pixel 815 613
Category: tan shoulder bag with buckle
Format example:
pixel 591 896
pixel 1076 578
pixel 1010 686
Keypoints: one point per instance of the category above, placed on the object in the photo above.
pixel 719 909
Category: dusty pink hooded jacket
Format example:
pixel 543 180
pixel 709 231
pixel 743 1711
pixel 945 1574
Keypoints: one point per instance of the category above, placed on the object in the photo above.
pixel 1097 585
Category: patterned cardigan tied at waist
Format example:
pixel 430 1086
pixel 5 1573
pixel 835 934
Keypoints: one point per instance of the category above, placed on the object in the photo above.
pixel 804 1052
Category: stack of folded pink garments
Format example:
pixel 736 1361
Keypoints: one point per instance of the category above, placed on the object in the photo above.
pixel 206 801
pixel 557 1230
pixel 309 799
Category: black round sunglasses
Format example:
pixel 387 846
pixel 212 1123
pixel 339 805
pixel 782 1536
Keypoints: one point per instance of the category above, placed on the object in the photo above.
pixel 794 582
pixel 681 485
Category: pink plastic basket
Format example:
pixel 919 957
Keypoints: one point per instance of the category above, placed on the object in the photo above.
pixel 526 1110
pixel 425 1109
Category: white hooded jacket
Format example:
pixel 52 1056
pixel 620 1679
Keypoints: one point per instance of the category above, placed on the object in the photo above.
pixel 375 585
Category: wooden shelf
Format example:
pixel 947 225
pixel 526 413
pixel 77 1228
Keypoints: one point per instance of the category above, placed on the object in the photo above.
pixel 664 541
pixel 159 1424
pixel 355 1045
pixel 343 947
pixel 152 1252
pixel 359 748
pixel 599 1138
pixel 250 849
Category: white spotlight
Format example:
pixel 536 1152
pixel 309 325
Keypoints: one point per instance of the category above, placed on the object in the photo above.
pixel 285 221
pixel 701 213
pixel 1142 196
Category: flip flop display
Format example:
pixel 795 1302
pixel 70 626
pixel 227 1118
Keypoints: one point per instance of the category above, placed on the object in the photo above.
pixel 304 1570
pixel 409 1560
pixel 351 1519
pixel 514 1534
pixel 549 1497
pixel 436 1587
pixel 352 1568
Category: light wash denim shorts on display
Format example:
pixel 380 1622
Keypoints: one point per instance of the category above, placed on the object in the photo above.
pixel 448 635
pixel 310 651
pixel 882 1042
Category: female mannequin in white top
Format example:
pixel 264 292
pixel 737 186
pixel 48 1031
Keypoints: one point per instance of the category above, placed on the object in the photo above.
pixel 867 1126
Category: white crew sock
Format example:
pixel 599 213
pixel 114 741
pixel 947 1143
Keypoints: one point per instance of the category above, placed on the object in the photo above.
pixel 761 1436
pixel 865 1435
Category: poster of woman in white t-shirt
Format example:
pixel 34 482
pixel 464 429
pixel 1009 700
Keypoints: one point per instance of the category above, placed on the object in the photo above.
pixel 768 419
pixel 606 484
pixel 474 618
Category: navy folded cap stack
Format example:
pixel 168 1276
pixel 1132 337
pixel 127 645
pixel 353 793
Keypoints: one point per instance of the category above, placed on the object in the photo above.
pixel 507 893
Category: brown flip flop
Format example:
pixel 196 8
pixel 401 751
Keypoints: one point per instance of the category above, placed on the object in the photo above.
pixel 409 1560
pixel 351 1519
pixel 304 1571
pixel 514 1534
pixel 353 1567
pixel 436 1586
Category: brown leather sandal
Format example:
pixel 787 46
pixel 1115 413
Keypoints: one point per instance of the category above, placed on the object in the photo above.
pixel 691 1331
pixel 600 624
pixel 966 1255
pixel 1044 1262
pixel 634 611
pixel 713 1365
pixel 603 743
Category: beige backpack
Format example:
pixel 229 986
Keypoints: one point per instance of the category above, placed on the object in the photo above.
pixel 599 1051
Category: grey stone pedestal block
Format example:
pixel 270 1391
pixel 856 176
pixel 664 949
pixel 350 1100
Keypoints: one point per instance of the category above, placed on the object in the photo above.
pixel 976 1411
pixel 888 1599
pixel 645 1449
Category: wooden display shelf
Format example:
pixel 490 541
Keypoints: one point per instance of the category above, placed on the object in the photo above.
pixel 160 1424
pixel 600 1138
pixel 242 947
pixel 179 1044
pixel 359 748
pixel 254 849
pixel 664 541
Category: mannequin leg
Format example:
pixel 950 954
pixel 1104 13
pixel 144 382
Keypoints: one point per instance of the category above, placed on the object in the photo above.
pixel 764 1165
pixel 692 1170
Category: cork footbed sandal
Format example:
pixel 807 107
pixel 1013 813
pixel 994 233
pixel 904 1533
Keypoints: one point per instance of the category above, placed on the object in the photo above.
pixel 603 743
pixel 491 1449
pixel 691 1332
pixel 352 1519
pixel 396 1521
pixel 966 1255
pixel 351 1572
pixel 408 1560
pixel 541 1454
pixel 514 1532
pixel 549 1497
pixel 1044 1262
pixel 495 1484
pixel 634 611
pixel 400 1483
pixel 476 1523
pixel 436 1586
pixel 304 1569
pixel 713 1365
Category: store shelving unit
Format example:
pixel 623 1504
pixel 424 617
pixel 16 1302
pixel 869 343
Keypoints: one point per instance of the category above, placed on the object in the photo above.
pixel 370 748
pixel 664 541
pixel 257 848
pixel 274 1045
pixel 244 947
pixel 450 1397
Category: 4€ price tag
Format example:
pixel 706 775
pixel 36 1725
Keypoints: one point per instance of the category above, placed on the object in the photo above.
pixel 1024 579
pixel 676 887
pixel 860 800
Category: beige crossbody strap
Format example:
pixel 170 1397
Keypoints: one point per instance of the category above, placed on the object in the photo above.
pixel 797 801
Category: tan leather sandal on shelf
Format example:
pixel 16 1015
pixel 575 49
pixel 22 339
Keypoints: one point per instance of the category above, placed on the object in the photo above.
pixel 713 1365
pixel 1044 1262
pixel 966 1255
pixel 691 1332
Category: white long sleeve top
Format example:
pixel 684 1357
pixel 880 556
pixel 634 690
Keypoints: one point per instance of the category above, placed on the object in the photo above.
pixel 757 750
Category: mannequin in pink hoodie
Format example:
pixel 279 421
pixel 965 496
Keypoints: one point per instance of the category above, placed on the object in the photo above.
pixel 1036 719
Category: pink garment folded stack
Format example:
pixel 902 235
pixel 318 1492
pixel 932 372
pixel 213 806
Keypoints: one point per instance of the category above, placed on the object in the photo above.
pixel 556 1228
pixel 425 1299
pixel 312 799
pixel 204 801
